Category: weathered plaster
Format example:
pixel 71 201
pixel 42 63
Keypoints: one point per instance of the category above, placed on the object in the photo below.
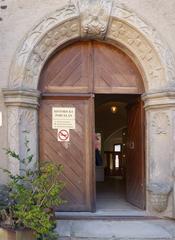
pixel 160 149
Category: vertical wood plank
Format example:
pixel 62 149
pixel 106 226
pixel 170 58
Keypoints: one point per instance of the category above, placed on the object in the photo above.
pixel 135 175
pixel 75 155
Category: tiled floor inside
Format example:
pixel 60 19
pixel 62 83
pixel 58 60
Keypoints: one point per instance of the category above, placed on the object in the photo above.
pixel 111 196
pixel 110 201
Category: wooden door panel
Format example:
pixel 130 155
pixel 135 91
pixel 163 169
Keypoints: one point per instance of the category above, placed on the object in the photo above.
pixel 75 155
pixel 69 70
pixel 135 175
pixel 81 68
pixel 90 66
pixel 114 72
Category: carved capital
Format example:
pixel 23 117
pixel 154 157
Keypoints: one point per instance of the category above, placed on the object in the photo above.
pixel 162 100
pixel 21 98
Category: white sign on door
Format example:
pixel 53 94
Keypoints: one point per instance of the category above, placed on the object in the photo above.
pixel 63 118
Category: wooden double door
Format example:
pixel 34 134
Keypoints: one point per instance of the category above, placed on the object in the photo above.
pixel 76 155
pixel 70 78
pixel 135 159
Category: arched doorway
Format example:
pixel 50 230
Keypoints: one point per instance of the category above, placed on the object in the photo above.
pixel 121 176
pixel 69 81
pixel 121 27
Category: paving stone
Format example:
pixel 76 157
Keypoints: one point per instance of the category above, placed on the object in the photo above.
pixel 116 230
pixel 64 228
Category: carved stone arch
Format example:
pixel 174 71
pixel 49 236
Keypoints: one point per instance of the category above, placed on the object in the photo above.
pixel 105 20
pixel 110 22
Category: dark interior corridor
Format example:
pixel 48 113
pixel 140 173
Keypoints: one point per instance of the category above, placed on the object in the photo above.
pixel 111 136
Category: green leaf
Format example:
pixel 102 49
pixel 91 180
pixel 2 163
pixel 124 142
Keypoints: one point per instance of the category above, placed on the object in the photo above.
pixel 33 194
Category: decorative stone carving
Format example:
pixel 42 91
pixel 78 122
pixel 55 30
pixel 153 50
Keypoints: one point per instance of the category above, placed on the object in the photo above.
pixel 18 70
pixel 22 116
pixel 54 38
pixel 122 12
pixel 160 123
pixel 159 193
pixel 26 119
pixel 19 121
pixel 95 18
pixel 140 46
pixel 124 27
pixel 28 123
pixel 13 137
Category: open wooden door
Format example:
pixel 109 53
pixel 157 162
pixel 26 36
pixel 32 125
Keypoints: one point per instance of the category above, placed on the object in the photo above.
pixel 135 175
pixel 75 155
pixel 68 79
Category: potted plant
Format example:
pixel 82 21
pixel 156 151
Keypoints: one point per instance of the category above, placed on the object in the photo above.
pixel 27 209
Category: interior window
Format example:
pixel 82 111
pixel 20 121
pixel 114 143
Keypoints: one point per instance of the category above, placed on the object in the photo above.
pixel 116 161
pixel 117 147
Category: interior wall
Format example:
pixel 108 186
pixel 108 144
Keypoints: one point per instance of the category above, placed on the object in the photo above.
pixel 115 138
pixel 107 122
pixel 110 125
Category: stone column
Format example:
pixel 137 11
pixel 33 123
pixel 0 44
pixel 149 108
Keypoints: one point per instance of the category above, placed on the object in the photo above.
pixel 160 152
pixel 22 116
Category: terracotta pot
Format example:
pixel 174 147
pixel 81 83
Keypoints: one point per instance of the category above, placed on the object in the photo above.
pixel 16 235
pixel 7 234
pixel 24 235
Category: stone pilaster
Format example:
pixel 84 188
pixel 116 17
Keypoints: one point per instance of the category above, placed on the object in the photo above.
pixel 160 151
pixel 22 116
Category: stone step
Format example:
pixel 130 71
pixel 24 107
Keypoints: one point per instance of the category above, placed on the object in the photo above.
pixel 104 215
pixel 116 230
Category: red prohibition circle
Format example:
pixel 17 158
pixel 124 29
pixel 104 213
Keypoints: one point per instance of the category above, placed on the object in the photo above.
pixel 63 135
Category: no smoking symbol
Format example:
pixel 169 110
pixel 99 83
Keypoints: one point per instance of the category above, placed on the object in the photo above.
pixel 63 135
